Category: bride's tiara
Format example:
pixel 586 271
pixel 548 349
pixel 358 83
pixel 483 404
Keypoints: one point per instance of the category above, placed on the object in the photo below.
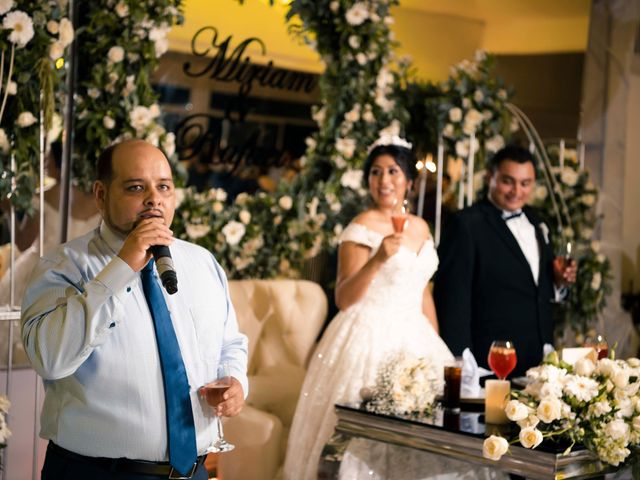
pixel 387 139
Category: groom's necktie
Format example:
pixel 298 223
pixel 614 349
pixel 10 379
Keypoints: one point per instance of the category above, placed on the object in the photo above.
pixel 180 426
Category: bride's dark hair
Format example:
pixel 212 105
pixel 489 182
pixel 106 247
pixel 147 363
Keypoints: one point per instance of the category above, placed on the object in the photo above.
pixel 404 157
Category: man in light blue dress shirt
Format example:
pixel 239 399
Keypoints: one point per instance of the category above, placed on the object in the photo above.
pixel 88 331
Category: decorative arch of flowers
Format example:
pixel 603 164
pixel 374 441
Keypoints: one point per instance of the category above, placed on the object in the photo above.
pixel 366 93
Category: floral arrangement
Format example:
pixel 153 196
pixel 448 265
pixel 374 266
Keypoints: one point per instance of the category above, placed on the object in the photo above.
pixel 258 236
pixel 35 35
pixel 115 99
pixel 121 44
pixel 5 433
pixel 594 403
pixel 475 104
pixel 406 385
pixel 587 298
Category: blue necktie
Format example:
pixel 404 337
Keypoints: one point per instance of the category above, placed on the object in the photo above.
pixel 180 426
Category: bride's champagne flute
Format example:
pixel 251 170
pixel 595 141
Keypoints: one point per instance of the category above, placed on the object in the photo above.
pixel 400 217
pixel 213 393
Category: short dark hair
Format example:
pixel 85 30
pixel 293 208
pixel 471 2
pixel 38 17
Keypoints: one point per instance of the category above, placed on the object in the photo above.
pixel 403 156
pixel 104 164
pixel 512 152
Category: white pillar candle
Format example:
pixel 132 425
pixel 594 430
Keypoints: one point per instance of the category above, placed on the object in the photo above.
pixel 561 155
pixel 495 400
pixel 423 187
pixel 461 190
pixel 440 168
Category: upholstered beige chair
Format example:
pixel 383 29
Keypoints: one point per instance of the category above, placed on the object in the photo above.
pixel 282 319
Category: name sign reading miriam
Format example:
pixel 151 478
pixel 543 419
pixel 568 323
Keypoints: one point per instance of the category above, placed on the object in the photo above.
pixel 235 65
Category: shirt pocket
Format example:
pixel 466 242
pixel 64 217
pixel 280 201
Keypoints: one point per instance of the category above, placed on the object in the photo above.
pixel 207 328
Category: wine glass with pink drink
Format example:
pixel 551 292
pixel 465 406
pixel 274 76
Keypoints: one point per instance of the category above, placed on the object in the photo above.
pixel 400 217
pixel 213 393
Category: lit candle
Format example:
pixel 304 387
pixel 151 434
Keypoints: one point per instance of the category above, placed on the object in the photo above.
pixel 470 159
pixel 561 155
pixel 495 400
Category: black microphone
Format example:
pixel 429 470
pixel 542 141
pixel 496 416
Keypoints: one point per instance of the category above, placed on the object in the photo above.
pixel 166 270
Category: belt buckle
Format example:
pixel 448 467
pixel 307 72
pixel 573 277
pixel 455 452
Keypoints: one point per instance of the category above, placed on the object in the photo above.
pixel 173 472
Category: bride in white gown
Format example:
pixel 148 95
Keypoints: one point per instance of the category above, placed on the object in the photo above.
pixel 385 306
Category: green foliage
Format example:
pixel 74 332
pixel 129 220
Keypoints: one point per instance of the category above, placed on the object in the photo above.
pixel 20 93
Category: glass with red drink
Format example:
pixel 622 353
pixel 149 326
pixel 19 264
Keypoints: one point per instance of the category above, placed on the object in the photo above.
pixel 599 344
pixel 502 358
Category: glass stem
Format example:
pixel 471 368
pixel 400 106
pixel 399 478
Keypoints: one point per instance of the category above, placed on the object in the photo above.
pixel 220 433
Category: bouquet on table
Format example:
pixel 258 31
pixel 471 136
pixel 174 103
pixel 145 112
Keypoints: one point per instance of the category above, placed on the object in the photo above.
pixel 406 385
pixel 594 403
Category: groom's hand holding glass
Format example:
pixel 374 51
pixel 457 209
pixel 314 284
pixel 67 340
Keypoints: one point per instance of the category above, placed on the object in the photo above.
pixel 231 402
pixel 565 268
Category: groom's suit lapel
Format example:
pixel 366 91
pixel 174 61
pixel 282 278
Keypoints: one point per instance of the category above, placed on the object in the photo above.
pixel 494 219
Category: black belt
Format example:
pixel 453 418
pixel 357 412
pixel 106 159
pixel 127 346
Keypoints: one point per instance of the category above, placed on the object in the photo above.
pixel 126 465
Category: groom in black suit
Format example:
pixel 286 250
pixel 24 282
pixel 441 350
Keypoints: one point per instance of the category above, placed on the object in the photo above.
pixel 496 277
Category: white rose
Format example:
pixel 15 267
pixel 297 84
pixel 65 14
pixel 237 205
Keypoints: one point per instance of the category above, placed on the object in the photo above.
pixel 4 141
pixel 245 217
pixel 448 130
pixel 368 116
pixel 122 9
pixel 584 367
pixel 495 143
pixel 351 179
pixel 169 144
pixel 530 421
pixel 353 115
pixel 549 409
pixel 233 232
pixel 589 200
pixel 455 114
pixel 334 6
pixel 108 122
pixel 530 437
pixel 541 192
pixel 617 429
pixel 516 410
pixel 12 88
pixel 357 14
pixel 53 27
pixel 26 119
pixel 354 42
pixel 285 202
pixel 596 281
pixel 217 207
pixel 115 54
pixel 569 176
pixel 361 58
pixel 621 377
pixel 494 447
pixel 595 246
pixel 478 96
pixel 66 32
pixel 93 93
pixel 502 94
pixel 196 231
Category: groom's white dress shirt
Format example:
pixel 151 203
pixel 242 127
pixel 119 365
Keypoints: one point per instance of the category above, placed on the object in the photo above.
pixel 88 332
